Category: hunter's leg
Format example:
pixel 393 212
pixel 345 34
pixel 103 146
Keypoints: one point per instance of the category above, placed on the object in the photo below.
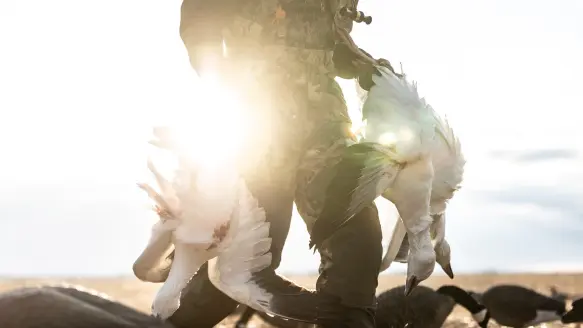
pixel 202 304
pixel 350 262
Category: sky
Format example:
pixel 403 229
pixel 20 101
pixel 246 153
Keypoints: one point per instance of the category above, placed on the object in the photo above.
pixel 82 82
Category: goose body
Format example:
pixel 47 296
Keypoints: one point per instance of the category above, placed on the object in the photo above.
pixel 68 307
pixel 518 307
pixel 209 215
pixel 204 213
pixel 575 314
pixel 411 157
pixel 424 307
pixel 447 160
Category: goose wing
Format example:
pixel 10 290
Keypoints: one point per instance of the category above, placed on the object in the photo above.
pixel 248 253
pixel 397 117
pixel 363 173
pixel 243 269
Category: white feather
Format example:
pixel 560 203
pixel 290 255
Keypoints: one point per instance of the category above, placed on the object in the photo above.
pixel 423 149
pixel 198 207
pixel 397 118
pixel 232 270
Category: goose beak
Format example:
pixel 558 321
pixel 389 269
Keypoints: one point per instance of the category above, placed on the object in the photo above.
pixel 447 269
pixel 412 282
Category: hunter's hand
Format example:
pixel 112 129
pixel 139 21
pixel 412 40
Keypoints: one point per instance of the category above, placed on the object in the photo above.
pixel 385 63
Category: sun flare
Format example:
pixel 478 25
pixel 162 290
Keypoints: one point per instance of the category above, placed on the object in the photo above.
pixel 211 134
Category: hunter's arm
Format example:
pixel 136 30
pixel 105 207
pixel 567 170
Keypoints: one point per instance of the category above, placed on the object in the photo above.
pixel 348 66
pixel 201 24
pixel 345 62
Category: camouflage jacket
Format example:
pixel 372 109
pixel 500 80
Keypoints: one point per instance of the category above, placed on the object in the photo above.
pixel 287 47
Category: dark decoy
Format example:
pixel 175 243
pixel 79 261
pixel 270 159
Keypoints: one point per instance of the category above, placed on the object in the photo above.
pixel 518 307
pixel 68 307
pixel 425 307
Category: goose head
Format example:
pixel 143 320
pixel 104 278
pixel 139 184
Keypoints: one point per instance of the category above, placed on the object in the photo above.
pixel 421 262
pixel 479 312
pixel 443 257
pixel 440 244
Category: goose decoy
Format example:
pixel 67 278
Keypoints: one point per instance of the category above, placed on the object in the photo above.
pixel 518 307
pixel 425 307
pixel 411 157
pixel 575 314
pixel 69 307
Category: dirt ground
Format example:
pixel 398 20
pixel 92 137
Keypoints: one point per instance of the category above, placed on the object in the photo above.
pixel 139 294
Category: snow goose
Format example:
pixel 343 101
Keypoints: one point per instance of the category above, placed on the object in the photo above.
pixel 411 157
pixel 425 307
pixel 205 212
pixel 208 214
pixel 518 307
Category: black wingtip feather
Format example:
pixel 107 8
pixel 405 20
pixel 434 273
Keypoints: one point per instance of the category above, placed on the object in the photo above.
pixel 339 193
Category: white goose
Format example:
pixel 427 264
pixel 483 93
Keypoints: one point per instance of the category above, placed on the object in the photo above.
pixel 411 157
pixel 204 213
pixel 396 101
pixel 448 165
pixel 394 112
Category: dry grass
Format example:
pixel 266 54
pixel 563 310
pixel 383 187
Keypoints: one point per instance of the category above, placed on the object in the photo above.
pixel 139 294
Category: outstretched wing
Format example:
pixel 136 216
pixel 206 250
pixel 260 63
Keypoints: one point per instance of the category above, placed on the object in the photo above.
pixel 247 253
pixel 243 270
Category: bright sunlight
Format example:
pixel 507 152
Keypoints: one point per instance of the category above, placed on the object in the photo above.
pixel 213 133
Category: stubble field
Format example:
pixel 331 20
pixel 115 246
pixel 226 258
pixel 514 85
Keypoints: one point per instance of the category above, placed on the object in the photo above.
pixel 139 294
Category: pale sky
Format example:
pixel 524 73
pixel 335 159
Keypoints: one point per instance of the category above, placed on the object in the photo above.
pixel 81 83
